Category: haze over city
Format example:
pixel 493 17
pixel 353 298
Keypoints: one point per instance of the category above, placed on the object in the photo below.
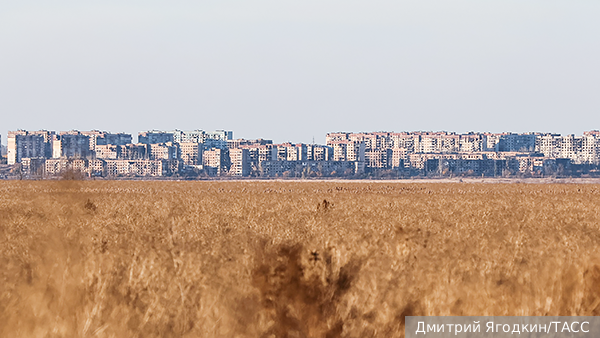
pixel 291 71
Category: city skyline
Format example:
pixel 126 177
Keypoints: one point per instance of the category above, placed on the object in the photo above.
pixel 198 153
pixel 308 168
pixel 314 140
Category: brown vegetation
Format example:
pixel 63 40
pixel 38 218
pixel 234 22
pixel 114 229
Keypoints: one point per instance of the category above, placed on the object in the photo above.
pixel 288 259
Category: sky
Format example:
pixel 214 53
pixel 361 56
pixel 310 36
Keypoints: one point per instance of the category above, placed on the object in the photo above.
pixel 295 70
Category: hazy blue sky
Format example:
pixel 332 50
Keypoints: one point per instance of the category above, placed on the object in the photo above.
pixel 291 70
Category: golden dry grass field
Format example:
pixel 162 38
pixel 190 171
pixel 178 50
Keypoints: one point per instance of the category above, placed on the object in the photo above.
pixel 288 259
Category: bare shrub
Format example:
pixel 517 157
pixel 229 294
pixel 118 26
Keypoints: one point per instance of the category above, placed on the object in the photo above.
pixel 301 294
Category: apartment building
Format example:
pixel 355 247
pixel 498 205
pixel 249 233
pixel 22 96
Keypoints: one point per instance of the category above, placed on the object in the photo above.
pixel 71 144
pixel 381 140
pixel 93 136
pixel 118 139
pixel 56 166
pixel 517 142
pixel 570 147
pixel 237 143
pixel 108 152
pixel 33 166
pixel 450 143
pixel 439 142
pixel 216 161
pixel 492 140
pixel 316 152
pixel 428 143
pixel 356 151
pixel 336 137
pixel 580 149
pixel 278 168
pixel 97 167
pixel 348 150
pixel 267 152
pixel 378 158
pixel 398 157
pixel 240 162
pixel 222 135
pixel 217 139
pixel 153 168
pixel 374 140
pixel 29 144
pixel 97 137
pixel 137 151
pixel 212 139
pixel 155 137
pixel 192 136
pixel 528 164
pixel 419 160
pixel 590 149
pixel 282 151
pixel 259 152
pixel 473 142
pixel 548 144
pixel 190 153
pixel 291 152
pixel 340 150
pixel 369 139
pixel 436 142
pixel 164 151
pixel 403 140
pixel 297 152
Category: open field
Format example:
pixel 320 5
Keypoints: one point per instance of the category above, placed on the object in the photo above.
pixel 289 259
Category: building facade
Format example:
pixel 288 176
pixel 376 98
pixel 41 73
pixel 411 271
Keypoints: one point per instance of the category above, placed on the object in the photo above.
pixel 29 144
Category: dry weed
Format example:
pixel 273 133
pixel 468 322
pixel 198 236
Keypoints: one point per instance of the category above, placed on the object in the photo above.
pixel 288 259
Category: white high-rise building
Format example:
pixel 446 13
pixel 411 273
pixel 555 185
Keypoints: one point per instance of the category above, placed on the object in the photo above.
pixel 240 164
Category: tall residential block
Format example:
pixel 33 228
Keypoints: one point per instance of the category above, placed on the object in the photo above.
pixel 190 153
pixel 217 139
pixel 29 144
pixel 316 152
pixel 240 164
pixel 108 152
pixel 473 142
pixel 137 151
pixel 216 161
pixel 517 142
pixel 378 158
pixel 71 145
pixel 163 151
pixel 97 137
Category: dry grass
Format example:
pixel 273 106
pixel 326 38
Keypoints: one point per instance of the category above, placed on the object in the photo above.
pixel 288 259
